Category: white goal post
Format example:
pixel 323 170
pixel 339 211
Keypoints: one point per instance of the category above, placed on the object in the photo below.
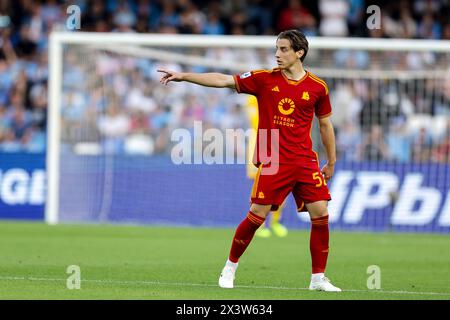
pixel 132 43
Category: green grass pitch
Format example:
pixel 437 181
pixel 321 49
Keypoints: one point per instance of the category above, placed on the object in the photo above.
pixel 131 262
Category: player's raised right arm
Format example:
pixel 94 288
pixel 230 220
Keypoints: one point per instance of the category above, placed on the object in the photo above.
pixel 212 79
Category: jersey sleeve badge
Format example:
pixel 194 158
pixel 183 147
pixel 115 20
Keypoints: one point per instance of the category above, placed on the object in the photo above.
pixel 245 75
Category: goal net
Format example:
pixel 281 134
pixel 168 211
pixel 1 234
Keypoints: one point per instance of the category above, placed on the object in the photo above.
pixel 124 148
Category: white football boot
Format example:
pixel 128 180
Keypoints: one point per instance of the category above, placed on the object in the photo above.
pixel 323 284
pixel 228 275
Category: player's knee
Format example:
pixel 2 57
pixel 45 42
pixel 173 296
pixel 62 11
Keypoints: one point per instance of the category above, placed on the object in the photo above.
pixel 317 209
pixel 319 214
pixel 260 210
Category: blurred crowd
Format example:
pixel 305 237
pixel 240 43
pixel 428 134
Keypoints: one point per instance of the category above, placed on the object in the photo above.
pixel 123 106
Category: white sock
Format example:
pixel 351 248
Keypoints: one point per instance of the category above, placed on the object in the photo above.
pixel 234 265
pixel 317 276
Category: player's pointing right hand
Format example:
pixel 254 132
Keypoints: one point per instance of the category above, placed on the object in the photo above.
pixel 169 76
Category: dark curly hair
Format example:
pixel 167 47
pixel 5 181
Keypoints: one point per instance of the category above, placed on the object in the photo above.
pixel 297 39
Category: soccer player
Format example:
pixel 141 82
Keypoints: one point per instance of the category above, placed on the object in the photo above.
pixel 288 98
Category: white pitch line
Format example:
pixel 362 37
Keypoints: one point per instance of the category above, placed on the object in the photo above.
pixel 186 284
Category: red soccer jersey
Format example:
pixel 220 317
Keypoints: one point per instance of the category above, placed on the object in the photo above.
pixel 288 106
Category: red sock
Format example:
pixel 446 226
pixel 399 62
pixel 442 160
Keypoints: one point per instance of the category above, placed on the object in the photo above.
pixel 244 234
pixel 318 243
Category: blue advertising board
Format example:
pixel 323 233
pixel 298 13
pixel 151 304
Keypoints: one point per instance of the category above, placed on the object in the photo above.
pixel 22 186
pixel 122 189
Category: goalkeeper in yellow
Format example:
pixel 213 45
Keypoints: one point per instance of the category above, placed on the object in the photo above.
pixel 274 224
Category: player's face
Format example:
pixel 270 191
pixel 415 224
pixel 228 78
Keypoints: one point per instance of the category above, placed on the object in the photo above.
pixel 285 54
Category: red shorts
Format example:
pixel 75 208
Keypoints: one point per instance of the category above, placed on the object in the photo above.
pixel 304 180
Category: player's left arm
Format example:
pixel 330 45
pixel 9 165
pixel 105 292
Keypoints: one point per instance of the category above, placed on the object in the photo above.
pixel 328 140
